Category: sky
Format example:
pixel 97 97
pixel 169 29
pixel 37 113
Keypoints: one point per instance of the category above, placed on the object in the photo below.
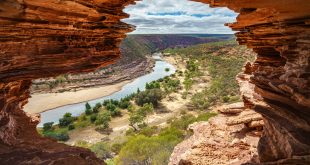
pixel 178 16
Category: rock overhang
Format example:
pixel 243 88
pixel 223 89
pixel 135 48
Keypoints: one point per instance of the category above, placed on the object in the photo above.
pixel 52 37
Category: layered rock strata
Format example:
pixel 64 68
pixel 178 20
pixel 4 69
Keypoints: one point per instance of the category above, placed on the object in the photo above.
pixel 47 38
pixel 221 140
pixel 277 84
pixel 52 37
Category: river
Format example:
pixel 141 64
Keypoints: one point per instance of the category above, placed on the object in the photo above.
pixel 158 72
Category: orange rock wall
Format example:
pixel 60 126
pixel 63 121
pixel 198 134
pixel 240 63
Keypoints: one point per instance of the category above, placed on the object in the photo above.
pixel 277 85
pixel 43 38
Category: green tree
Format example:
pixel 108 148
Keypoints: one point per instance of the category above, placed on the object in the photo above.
pixel 147 108
pixel 66 115
pixel 124 104
pixel 88 112
pixel 71 127
pixel 87 106
pixel 66 120
pixel 93 118
pixel 103 119
pixel 136 118
pixel 113 109
pixel 152 85
pixel 97 108
pixel 48 126
pixel 149 96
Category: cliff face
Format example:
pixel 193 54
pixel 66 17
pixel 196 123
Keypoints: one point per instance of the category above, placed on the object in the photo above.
pixel 277 85
pixel 133 62
pixel 43 39
pixel 231 137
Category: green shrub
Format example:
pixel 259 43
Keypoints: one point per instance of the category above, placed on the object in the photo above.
pixel 234 99
pixel 111 101
pixel 48 126
pixel 183 122
pixel 148 131
pixel 188 83
pixel 60 136
pixel 205 116
pixel 102 150
pixel 131 108
pixel 82 117
pixel 114 111
pixel 116 147
pixel 124 104
pixel 67 115
pixel 152 85
pixel 136 118
pixel 130 132
pixel 88 112
pixel 171 85
pixel 147 108
pixel 82 143
pixel 199 101
pixel 71 127
pixel 97 108
pixel 225 99
pixel 103 119
pixel 141 149
pixel 87 106
pixel 149 96
pixel 93 118
pixel 66 120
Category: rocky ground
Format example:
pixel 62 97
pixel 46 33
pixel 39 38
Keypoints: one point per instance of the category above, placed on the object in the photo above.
pixel 228 138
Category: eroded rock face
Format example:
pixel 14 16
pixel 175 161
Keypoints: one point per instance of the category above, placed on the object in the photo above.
pixel 47 38
pixel 277 85
pixel 51 37
pixel 220 141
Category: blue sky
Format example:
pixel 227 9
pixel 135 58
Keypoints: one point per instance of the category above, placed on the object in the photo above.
pixel 178 16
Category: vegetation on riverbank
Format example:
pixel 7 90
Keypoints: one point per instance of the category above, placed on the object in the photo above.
pixel 217 63
pixel 134 49
pixel 223 61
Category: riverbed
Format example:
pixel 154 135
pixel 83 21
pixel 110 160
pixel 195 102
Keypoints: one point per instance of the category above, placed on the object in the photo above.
pixel 159 71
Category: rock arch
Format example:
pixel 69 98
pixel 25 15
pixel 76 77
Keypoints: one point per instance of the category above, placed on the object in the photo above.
pixel 51 37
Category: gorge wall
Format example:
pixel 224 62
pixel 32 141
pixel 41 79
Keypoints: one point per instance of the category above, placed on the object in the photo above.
pixel 47 38
pixel 52 37
pixel 135 61
pixel 277 84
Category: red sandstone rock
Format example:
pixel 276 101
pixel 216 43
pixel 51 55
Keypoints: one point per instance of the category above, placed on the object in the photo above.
pixel 277 84
pixel 51 37
pixel 42 38
pixel 216 142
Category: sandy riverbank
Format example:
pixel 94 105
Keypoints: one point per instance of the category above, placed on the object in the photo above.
pixel 42 102
pixel 172 106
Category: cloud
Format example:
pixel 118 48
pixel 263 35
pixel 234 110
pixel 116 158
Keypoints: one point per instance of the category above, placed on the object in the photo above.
pixel 178 16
